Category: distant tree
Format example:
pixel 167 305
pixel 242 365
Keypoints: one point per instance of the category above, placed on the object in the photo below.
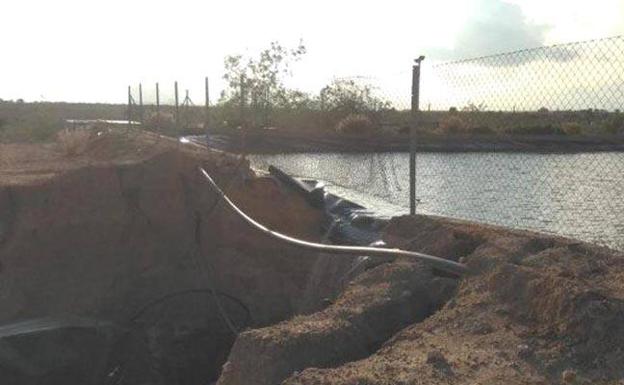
pixel 349 96
pixel 262 78
pixel 472 107
pixel 543 110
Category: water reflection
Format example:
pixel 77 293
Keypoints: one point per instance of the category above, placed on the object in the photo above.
pixel 577 195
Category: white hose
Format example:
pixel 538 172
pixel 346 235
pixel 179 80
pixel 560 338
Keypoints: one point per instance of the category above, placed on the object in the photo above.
pixel 439 263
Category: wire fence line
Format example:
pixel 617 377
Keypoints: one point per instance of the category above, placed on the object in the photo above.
pixel 563 93
pixel 543 121
pixel 574 88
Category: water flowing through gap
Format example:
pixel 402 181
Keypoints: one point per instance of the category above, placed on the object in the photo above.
pixel 576 195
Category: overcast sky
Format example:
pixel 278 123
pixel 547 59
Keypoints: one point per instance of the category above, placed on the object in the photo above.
pixel 91 50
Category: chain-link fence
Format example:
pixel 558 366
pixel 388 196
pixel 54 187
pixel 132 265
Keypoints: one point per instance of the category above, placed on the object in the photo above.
pixel 569 89
pixel 528 139
pixel 560 109
pixel 167 108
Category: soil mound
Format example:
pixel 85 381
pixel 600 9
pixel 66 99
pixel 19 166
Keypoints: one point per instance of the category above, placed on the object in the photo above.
pixel 130 222
pixel 536 309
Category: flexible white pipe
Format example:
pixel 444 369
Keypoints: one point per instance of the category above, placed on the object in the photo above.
pixel 439 263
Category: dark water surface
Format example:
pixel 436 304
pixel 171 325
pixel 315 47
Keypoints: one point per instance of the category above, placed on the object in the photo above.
pixel 577 195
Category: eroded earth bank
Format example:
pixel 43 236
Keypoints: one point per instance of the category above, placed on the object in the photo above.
pixel 128 233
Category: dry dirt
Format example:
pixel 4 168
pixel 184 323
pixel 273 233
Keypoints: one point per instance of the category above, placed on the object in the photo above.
pixel 536 309
pixel 130 219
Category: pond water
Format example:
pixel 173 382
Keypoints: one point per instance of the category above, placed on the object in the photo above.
pixel 577 195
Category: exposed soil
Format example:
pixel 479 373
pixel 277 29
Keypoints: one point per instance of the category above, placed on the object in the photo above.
pixel 130 221
pixel 537 309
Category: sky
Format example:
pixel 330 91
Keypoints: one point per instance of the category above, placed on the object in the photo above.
pixel 91 50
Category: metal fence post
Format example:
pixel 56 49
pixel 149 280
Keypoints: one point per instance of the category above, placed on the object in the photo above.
pixel 177 105
pixel 267 108
pixel 414 111
pixel 207 111
pixel 253 106
pixel 141 103
pixel 242 100
pixel 242 114
pixel 129 106
pixel 157 101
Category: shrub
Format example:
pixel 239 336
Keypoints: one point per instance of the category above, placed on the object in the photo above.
pixel 572 128
pixel 348 95
pixel 615 123
pixel 453 124
pixel 482 129
pixel 355 124
pixel 160 121
pixel 546 129
pixel 74 142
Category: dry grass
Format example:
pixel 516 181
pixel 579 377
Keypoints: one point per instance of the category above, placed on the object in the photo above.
pixel 74 142
pixel 161 120
pixel 572 128
pixel 6 158
pixel 452 124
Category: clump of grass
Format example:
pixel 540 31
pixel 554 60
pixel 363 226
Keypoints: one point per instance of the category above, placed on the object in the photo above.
pixel 355 124
pixel 72 142
pixel 572 128
pixel 160 121
pixel 6 158
pixel 615 124
pixel 452 124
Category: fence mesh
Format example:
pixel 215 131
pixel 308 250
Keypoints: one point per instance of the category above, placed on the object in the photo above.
pixel 523 139
pixel 573 88
pixel 535 126
pixel 551 96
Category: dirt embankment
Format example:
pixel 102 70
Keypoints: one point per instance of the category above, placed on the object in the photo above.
pixel 537 309
pixel 284 141
pixel 131 221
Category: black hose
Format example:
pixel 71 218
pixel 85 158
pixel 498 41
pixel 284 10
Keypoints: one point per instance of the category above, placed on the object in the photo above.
pixel 169 296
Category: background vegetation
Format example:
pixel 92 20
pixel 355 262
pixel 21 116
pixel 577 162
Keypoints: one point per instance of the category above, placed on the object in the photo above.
pixel 256 97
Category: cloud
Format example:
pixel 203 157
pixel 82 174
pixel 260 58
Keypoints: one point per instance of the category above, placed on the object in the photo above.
pixel 496 27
